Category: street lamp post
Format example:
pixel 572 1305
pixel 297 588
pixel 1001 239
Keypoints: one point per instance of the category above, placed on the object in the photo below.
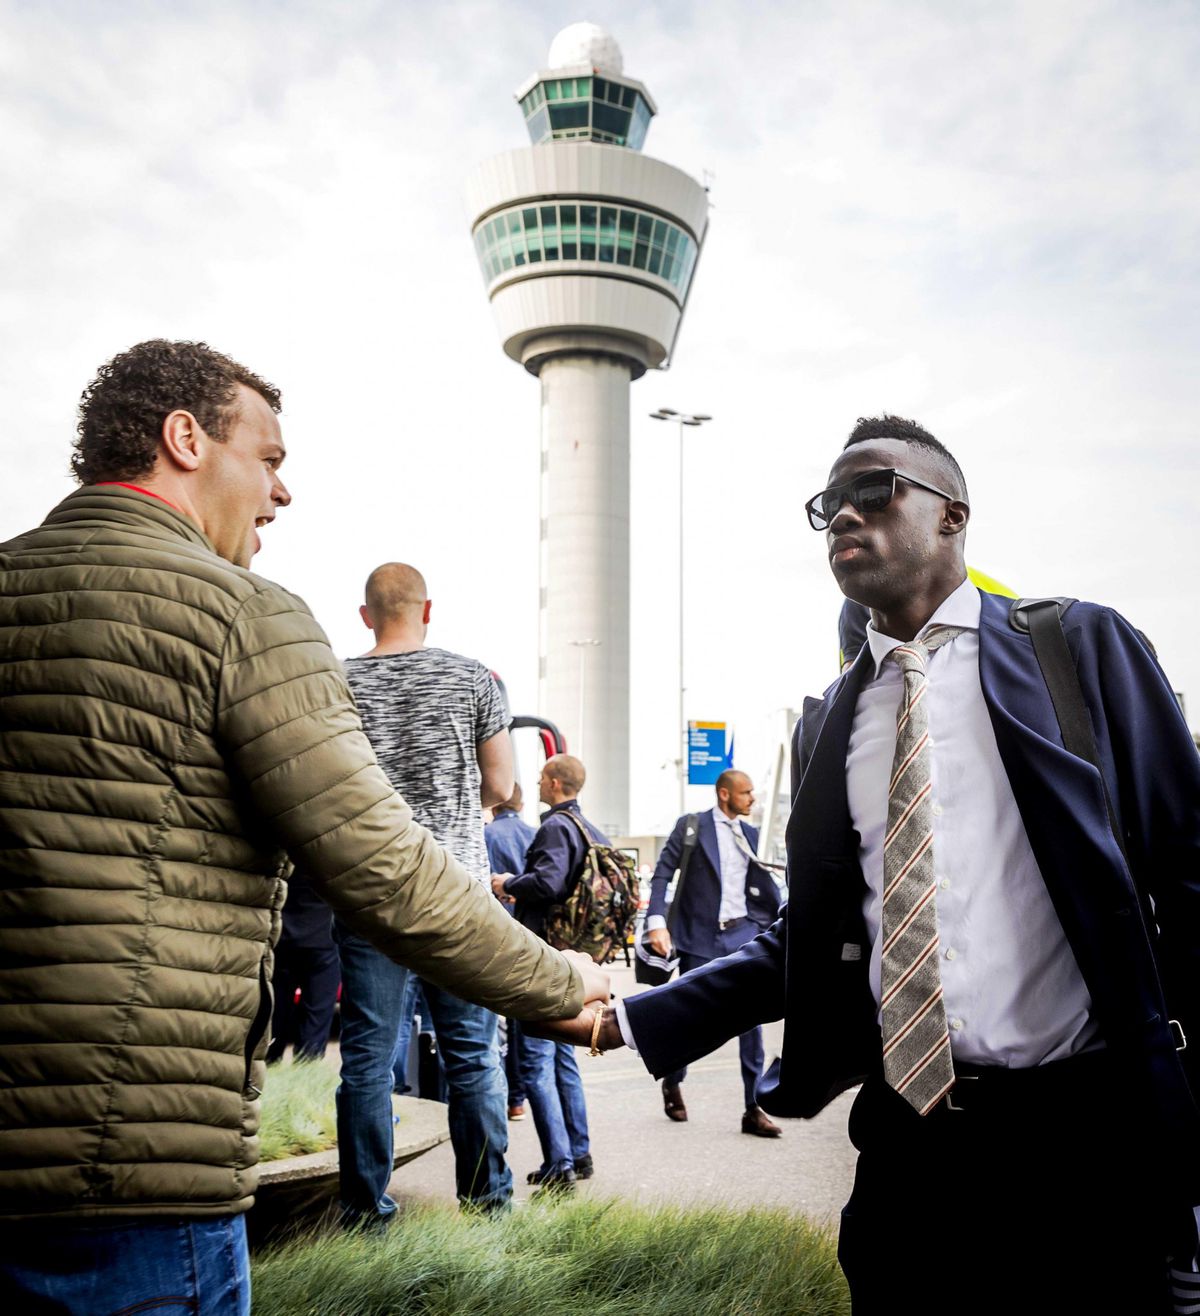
pixel 681 418
pixel 583 646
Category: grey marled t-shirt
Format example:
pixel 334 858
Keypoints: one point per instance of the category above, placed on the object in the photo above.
pixel 424 713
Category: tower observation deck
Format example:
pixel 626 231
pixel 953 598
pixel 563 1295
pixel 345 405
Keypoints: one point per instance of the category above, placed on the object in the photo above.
pixel 587 249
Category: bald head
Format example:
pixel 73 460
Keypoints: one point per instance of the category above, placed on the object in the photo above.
pixel 395 593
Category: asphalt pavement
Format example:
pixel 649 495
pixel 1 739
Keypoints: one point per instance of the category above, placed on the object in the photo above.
pixel 640 1154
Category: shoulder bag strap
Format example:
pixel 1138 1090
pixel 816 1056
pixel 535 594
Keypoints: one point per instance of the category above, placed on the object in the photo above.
pixel 691 834
pixel 1042 619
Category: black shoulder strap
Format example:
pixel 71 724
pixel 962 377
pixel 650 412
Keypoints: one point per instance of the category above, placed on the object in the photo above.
pixel 1041 619
pixel 691 834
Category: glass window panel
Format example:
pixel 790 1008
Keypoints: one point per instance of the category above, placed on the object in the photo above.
pixel 530 218
pixel 570 251
pixel 624 254
pixel 587 250
pixel 627 95
pixel 518 258
pixel 655 260
pixel 569 219
pixel 551 250
pixel 628 220
pixel 608 233
pixel 535 256
pixel 673 236
pixel 610 120
pixel 599 88
pixel 549 217
pixel 506 260
pixel 539 126
pixel 640 254
pixel 668 264
pixel 514 222
pixel 583 86
pixel 552 91
pixel 570 116
pixel 587 217
pixel 660 233
pixel 644 226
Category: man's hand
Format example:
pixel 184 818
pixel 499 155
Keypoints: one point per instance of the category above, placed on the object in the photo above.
pixel 660 942
pixel 596 984
pixel 578 1031
pixel 498 880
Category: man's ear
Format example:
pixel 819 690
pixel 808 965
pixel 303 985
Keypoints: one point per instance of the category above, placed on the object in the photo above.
pixel 425 614
pixel 366 616
pixel 955 516
pixel 181 439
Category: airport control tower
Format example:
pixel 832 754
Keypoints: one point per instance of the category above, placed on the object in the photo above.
pixel 587 249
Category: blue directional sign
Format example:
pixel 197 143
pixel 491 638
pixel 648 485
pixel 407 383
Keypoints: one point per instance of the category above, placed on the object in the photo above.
pixel 707 758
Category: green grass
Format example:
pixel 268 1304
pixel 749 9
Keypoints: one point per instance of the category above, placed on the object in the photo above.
pixel 587 1258
pixel 297 1110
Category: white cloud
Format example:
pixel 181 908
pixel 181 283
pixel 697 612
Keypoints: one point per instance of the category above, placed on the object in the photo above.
pixel 983 215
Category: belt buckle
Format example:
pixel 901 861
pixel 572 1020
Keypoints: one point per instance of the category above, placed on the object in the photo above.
pixel 959 1078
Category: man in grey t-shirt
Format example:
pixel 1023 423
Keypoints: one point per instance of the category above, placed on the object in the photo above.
pixel 439 729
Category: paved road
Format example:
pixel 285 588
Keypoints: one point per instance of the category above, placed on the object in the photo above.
pixel 639 1153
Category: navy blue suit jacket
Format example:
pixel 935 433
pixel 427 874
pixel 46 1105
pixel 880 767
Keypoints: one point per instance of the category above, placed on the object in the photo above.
pixel 695 926
pixel 554 860
pixel 1134 927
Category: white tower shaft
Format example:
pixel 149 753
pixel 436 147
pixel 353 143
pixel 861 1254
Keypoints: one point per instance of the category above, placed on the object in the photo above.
pixel 585 572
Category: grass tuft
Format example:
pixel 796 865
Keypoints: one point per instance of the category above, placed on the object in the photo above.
pixel 602 1258
pixel 298 1114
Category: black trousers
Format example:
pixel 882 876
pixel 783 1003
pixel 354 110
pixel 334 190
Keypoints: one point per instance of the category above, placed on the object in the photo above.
pixel 316 972
pixel 1034 1198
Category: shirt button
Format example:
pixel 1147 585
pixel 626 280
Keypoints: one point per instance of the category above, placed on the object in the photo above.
pixel 945 884
pixel 929 742
pixel 937 810
pixel 956 1024
pixel 951 953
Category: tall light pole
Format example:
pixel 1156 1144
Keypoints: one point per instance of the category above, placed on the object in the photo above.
pixel 681 418
pixel 583 646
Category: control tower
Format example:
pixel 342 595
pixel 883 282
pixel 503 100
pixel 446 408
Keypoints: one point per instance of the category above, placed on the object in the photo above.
pixel 587 249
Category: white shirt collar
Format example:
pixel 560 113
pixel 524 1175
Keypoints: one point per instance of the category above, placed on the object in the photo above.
pixel 720 817
pixel 961 608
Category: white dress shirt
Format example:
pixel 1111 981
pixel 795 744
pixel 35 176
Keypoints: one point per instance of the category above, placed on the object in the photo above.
pixel 1013 992
pixel 734 861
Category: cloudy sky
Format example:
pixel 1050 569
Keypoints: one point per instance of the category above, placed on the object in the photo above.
pixel 982 215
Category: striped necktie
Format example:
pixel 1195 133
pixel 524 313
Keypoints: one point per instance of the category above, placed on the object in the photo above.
pixel 916 1041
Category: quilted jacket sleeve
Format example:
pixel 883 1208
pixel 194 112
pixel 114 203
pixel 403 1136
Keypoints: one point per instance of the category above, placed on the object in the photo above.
pixel 291 735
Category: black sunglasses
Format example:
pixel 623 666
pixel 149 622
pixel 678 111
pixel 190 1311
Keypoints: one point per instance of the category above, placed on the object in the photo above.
pixel 869 492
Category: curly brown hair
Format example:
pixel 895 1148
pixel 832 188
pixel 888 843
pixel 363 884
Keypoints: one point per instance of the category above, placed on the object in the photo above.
pixel 122 410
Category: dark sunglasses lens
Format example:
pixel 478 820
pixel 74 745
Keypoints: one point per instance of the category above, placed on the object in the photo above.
pixel 872 492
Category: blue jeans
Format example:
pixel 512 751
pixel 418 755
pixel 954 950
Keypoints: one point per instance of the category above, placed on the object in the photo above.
pixel 750 1044
pixel 375 995
pixel 555 1093
pixel 198 1266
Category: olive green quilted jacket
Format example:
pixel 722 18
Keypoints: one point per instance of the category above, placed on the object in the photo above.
pixel 173 730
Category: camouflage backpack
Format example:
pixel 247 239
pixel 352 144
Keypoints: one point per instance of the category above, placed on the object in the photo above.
pixel 601 906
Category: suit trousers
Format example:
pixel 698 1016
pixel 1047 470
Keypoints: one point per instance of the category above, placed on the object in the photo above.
pixel 1035 1197
pixel 750 1044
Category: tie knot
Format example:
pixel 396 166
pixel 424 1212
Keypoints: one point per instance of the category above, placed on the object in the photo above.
pixel 913 656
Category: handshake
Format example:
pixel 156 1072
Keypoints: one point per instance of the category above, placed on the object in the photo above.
pixel 581 1030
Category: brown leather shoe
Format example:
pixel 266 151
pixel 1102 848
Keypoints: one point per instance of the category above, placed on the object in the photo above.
pixel 755 1121
pixel 673 1102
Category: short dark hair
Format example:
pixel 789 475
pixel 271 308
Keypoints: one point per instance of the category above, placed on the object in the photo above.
pixel 567 770
pixel 122 410
pixel 725 780
pixel 908 431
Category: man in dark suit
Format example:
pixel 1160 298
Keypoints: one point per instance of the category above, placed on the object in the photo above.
pixel 725 900
pixel 1056 1169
